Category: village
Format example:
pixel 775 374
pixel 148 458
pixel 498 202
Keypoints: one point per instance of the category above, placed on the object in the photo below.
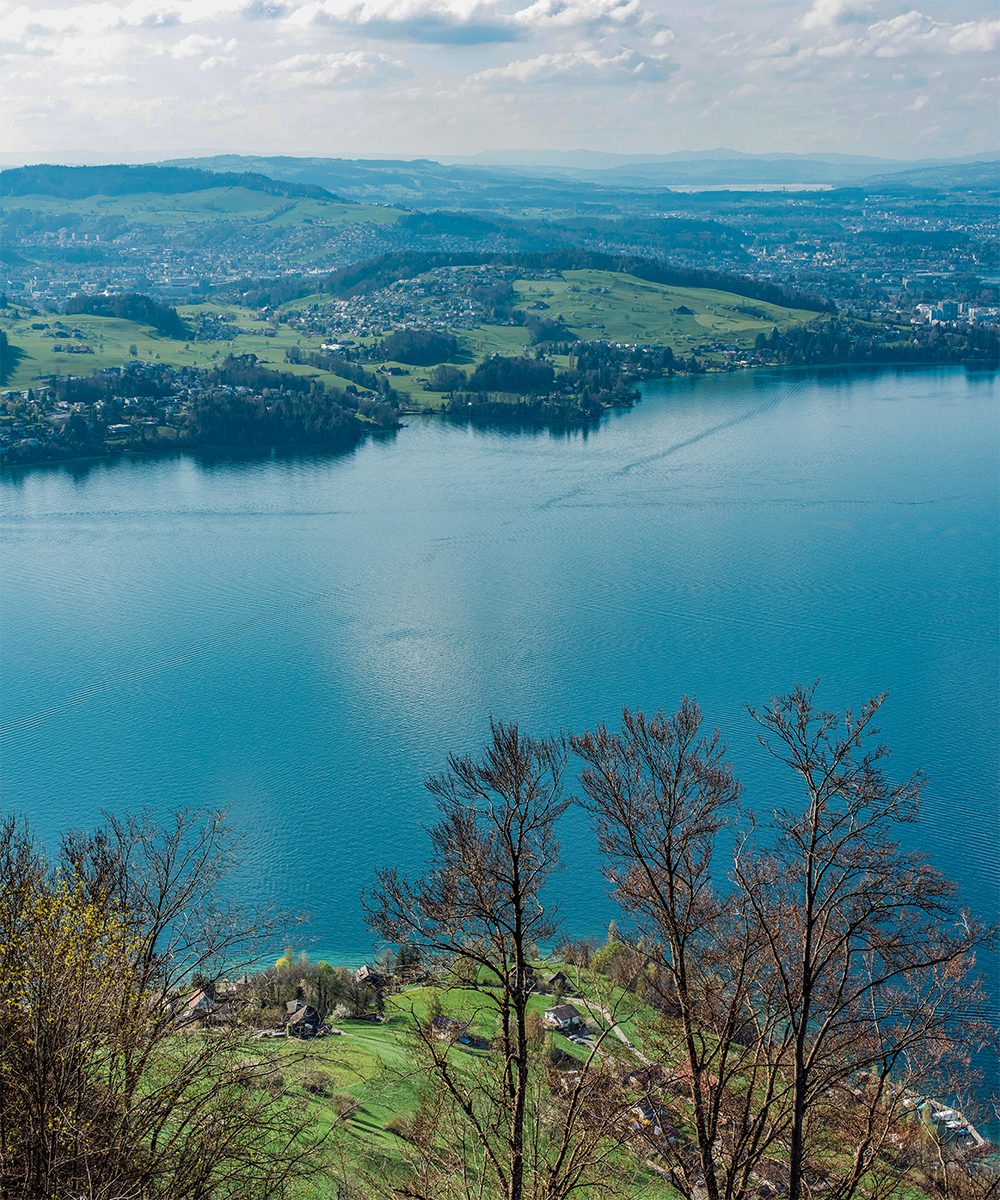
pixel 586 1021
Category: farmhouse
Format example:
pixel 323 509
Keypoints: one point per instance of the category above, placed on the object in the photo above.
pixel 301 1019
pixel 563 1016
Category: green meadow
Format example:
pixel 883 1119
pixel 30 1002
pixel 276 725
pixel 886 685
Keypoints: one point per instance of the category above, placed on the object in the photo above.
pixel 112 339
pixel 607 306
pixel 595 305
pixel 209 204
pixel 621 308
pixel 367 1078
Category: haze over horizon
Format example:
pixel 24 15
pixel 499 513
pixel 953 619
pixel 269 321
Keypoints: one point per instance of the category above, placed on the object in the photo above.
pixel 147 80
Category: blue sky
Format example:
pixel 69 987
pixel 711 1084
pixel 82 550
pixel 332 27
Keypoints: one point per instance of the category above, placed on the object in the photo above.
pixel 150 79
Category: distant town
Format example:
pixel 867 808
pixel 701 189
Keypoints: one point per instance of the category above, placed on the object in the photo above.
pixel 130 296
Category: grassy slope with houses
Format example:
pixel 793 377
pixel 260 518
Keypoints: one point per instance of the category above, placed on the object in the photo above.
pixel 111 340
pixel 362 1083
pixel 364 1078
pixel 596 305
pixel 607 306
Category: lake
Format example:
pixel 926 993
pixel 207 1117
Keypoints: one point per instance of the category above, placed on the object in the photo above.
pixel 302 639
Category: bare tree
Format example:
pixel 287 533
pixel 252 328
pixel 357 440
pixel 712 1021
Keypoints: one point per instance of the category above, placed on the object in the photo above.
pixel 108 1091
pixel 818 993
pixel 490 1127
pixel 661 793
pixel 871 957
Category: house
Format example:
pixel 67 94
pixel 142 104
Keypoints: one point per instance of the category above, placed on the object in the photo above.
pixel 682 1080
pixel 645 1077
pixel 369 977
pixel 301 1019
pixel 449 1029
pixel 651 1120
pixel 197 1007
pixel 563 1016
pixel 558 983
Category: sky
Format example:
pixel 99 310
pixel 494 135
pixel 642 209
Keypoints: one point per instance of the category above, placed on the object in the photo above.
pixel 144 80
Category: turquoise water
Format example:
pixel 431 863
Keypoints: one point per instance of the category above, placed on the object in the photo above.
pixel 302 639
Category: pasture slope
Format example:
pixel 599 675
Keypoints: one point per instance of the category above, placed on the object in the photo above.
pixel 595 305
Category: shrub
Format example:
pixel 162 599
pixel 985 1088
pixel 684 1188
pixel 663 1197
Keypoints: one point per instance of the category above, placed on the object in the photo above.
pixel 401 1126
pixel 316 1082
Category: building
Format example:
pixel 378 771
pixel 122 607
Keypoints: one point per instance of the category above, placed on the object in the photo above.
pixel 563 1016
pixel 301 1019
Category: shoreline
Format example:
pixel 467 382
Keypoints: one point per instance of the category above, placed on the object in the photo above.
pixel 491 419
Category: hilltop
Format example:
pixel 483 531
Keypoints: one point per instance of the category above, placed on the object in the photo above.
pixel 77 183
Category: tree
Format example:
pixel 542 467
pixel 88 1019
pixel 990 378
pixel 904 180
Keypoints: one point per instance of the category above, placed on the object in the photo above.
pixel 492 1128
pixel 871 958
pixel 661 792
pixel 826 986
pixel 108 1090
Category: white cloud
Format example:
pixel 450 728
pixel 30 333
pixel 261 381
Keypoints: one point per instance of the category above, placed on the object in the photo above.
pixel 461 22
pixel 755 74
pixel 975 36
pixel 108 17
pixel 571 14
pixel 580 66
pixel 914 33
pixel 354 68
pixel 198 46
pixel 826 14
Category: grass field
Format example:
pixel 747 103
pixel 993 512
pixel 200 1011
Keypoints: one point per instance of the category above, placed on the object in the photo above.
pixel 606 306
pixel 621 308
pixel 596 305
pixel 210 204
pixel 112 339
pixel 374 1066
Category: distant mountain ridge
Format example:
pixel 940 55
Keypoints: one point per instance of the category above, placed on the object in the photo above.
pixel 121 179
pixel 600 159
pixel 727 167
pixel 427 182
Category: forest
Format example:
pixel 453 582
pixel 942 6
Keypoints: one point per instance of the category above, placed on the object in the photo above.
pixel 130 306
pixel 841 340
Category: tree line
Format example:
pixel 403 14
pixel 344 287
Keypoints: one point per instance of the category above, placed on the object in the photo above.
pixel 842 340
pixel 132 306
pixel 76 183
pixel 810 978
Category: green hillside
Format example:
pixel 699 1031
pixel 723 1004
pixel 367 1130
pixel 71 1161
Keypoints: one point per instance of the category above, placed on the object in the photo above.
pixel 608 306
pixel 595 305
pixel 206 204
pixel 621 308
pixel 111 340
pixel 368 1073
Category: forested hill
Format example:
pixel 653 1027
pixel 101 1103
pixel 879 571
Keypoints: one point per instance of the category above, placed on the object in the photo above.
pixel 132 307
pixel 380 272
pixel 76 183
